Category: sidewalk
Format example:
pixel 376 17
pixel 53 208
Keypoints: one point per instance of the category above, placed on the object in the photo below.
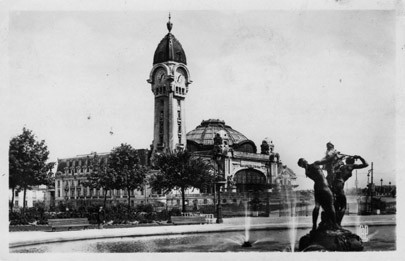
pixel 17 239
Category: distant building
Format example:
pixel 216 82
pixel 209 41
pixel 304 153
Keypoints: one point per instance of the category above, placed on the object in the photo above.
pixel 73 172
pixel 244 169
pixel 37 194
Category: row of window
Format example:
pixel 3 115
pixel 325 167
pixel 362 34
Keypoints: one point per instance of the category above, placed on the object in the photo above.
pixel 180 90
pixel 82 162
pixel 76 170
pixel 161 127
pixel 160 90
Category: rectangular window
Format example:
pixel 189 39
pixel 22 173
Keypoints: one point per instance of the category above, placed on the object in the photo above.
pixel 16 203
pixel 58 193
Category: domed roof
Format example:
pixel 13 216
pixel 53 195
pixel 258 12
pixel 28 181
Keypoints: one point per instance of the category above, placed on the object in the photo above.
pixel 169 49
pixel 204 134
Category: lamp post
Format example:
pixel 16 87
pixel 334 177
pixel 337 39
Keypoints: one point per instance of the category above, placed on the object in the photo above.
pixel 218 183
pixel 66 191
pixel 381 191
pixel 368 191
pixel 219 153
pixel 219 206
pixel 79 189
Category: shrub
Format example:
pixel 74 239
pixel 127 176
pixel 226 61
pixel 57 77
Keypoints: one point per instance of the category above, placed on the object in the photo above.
pixel 118 214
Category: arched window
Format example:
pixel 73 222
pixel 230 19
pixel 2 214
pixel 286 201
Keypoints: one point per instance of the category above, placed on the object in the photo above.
pixel 250 176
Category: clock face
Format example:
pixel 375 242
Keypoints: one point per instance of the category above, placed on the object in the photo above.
pixel 160 76
pixel 180 78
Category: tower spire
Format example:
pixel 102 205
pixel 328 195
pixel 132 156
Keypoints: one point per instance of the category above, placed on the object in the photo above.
pixel 169 24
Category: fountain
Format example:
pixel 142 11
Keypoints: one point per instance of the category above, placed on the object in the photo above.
pixel 246 242
pixel 290 198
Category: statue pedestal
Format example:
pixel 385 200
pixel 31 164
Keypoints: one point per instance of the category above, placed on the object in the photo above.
pixel 330 240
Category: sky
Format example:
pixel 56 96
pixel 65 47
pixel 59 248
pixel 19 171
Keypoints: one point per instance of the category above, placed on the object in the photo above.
pixel 299 78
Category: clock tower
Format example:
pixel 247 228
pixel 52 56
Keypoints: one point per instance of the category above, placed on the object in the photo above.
pixel 169 79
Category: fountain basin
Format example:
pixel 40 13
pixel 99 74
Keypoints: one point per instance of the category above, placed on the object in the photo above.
pixel 223 241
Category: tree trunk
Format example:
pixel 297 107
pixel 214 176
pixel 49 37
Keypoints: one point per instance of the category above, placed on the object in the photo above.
pixel 129 200
pixel 183 198
pixel 12 199
pixel 24 203
pixel 105 197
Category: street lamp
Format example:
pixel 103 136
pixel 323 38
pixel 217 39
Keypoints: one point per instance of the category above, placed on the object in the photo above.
pixel 218 183
pixel 381 191
pixel 219 206
pixel 368 192
pixel 219 151
pixel 66 191
pixel 79 189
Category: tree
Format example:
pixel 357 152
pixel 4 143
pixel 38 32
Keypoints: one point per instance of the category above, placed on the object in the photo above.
pixel 181 170
pixel 124 164
pixel 13 185
pixel 101 176
pixel 27 163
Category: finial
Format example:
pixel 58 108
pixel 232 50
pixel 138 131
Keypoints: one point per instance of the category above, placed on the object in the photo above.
pixel 169 24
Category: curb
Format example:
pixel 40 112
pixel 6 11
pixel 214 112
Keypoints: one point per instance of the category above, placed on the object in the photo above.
pixel 185 230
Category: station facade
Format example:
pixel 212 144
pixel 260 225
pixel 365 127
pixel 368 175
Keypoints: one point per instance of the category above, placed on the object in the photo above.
pixel 244 170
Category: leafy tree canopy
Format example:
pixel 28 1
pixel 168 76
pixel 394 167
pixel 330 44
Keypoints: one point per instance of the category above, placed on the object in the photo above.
pixel 101 176
pixel 28 161
pixel 181 170
pixel 124 162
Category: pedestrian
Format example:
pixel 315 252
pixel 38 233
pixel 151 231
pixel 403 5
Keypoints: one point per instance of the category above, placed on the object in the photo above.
pixel 100 218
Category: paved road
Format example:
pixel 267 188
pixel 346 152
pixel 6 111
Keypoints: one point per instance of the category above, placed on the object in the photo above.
pixel 230 224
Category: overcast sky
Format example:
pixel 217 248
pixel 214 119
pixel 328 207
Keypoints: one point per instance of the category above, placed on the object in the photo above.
pixel 300 78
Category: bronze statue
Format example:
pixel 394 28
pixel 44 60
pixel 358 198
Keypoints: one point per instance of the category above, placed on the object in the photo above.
pixel 322 192
pixel 331 162
pixel 341 175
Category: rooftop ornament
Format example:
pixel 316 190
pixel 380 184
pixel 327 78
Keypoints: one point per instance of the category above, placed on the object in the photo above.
pixel 169 24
